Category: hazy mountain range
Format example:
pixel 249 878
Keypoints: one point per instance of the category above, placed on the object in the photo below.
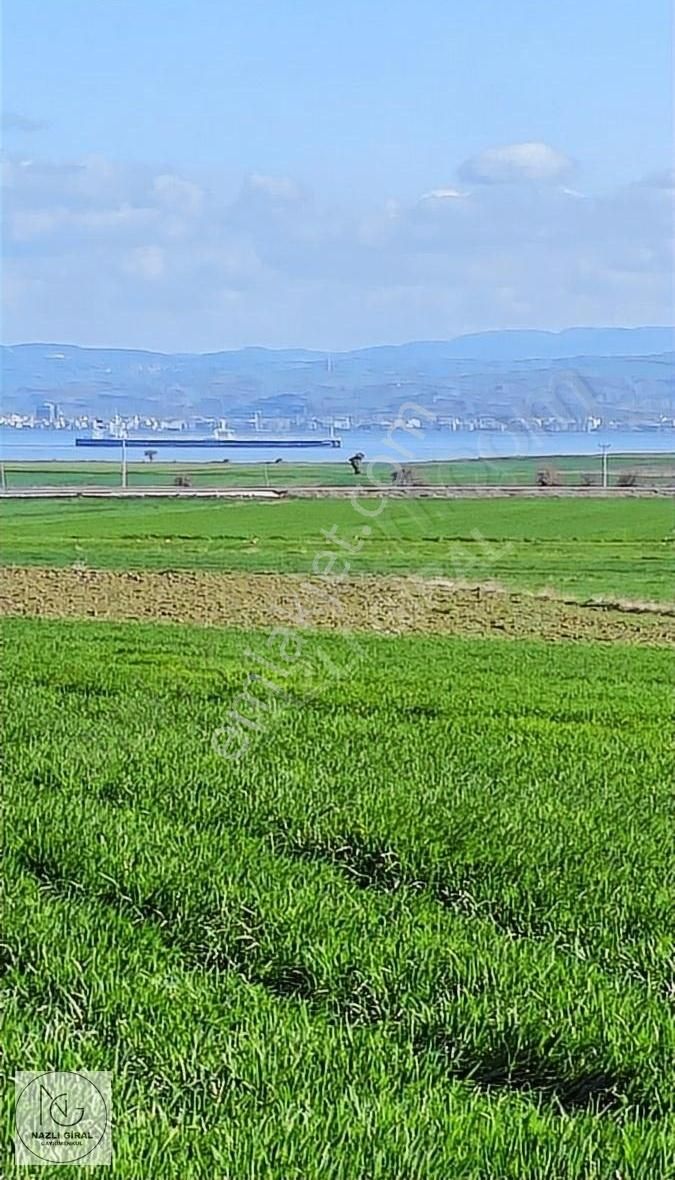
pixel 627 370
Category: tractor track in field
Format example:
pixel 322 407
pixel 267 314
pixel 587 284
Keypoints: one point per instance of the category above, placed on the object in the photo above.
pixel 376 603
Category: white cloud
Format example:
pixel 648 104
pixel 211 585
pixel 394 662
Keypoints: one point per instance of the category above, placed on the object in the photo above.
pixel 14 121
pixel 25 224
pixel 443 194
pixel 178 195
pixel 515 163
pixel 278 188
pixel 145 262
pixel 98 252
pixel 661 180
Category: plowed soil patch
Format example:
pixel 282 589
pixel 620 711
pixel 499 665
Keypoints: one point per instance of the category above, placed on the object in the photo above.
pixel 392 605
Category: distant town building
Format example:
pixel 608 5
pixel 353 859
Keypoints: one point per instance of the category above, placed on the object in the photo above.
pixel 47 412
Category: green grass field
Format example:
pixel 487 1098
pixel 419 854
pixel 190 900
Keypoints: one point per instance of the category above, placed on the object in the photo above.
pixel 408 917
pixel 650 470
pixel 421 929
pixel 612 547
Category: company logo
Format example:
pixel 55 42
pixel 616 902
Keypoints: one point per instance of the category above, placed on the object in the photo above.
pixel 63 1118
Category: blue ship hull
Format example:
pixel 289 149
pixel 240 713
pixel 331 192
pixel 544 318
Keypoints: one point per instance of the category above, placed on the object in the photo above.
pixel 227 443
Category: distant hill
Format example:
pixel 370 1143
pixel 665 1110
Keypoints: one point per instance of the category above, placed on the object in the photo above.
pixel 507 372
pixel 529 345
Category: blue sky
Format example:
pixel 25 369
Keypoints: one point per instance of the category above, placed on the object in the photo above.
pixel 214 174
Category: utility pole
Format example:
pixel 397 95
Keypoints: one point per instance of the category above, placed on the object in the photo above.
pixel 604 447
pixel 3 480
pixel 124 460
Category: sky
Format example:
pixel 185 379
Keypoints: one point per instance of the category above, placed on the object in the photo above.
pixel 218 174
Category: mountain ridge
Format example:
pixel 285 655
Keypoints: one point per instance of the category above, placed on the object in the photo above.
pixel 646 340
pixel 627 368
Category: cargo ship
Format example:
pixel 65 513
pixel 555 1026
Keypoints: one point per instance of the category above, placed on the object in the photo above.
pixel 232 444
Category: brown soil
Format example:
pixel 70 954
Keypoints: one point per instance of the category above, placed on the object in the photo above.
pixel 392 605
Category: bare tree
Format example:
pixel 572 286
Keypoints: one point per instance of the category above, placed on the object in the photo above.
pixel 149 455
pixel 405 477
pixel 548 478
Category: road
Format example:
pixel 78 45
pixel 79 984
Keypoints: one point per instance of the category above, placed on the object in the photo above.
pixel 466 491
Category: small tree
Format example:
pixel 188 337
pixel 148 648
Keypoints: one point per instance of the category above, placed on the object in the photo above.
pixel 547 478
pixel 356 462
pixel 149 455
pixel 626 479
pixel 405 477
